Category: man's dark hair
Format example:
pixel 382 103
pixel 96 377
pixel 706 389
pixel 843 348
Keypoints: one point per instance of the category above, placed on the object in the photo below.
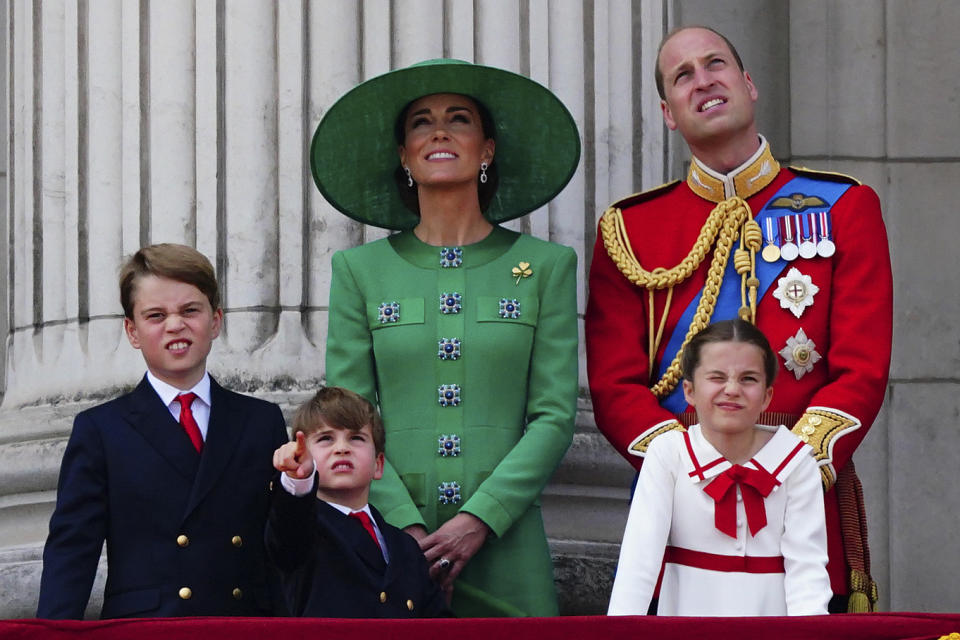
pixel 658 74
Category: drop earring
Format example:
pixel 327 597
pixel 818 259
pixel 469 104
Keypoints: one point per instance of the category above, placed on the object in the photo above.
pixel 483 172
pixel 409 177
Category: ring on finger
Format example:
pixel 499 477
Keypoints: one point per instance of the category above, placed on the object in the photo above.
pixel 444 563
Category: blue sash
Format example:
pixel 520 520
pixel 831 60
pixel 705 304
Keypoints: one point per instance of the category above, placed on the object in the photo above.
pixel 728 300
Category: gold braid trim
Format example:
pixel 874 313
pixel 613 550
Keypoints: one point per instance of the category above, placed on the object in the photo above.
pixel 819 427
pixel 639 446
pixel 729 220
pixel 618 247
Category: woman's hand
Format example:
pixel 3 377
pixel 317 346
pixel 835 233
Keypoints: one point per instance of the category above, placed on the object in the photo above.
pixel 416 531
pixel 449 548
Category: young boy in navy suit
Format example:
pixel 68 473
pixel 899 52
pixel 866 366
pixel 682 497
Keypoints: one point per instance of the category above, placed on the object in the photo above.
pixel 337 555
pixel 174 475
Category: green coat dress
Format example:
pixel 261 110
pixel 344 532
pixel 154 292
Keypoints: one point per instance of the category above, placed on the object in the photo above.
pixel 474 369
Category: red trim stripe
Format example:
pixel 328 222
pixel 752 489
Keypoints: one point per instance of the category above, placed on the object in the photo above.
pixel 728 564
pixel 711 465
pixel 789 457
pixel 759 466
pixel 697 470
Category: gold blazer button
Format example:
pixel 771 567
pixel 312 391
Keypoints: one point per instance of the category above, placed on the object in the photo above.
pixel 237 594
pixel 185 593
pixel 182 540
pixel 409 605
pixel 237 541
pixel 383 596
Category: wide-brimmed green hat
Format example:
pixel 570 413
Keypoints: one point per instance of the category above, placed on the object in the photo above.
pixel 353 156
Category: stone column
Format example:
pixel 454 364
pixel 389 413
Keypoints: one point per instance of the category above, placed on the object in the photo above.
pixel 872 98
pixel 140 121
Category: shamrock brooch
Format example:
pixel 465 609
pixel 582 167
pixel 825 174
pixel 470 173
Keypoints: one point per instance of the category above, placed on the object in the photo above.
pixel 522 270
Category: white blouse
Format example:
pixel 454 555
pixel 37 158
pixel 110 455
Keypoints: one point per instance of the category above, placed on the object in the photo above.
pixel 671 509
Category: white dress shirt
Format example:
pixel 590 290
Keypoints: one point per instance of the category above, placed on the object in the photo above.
pixel 200 406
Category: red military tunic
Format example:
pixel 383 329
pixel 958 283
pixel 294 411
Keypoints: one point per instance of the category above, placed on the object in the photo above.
pixel 848 320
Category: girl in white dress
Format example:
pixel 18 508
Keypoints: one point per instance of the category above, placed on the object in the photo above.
pixel 732 510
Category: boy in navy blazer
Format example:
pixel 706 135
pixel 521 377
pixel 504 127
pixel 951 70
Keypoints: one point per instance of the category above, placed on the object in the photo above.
pixel 337 556
pixel 174 475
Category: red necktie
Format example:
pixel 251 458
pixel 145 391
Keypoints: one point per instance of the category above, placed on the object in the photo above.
pixel 367 524
pixel 188 422
pixel 755 485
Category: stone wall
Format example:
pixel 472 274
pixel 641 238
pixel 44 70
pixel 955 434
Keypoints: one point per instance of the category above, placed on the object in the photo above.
pixel 189 121
pixel 137 121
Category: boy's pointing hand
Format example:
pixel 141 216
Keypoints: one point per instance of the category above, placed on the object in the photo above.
pixel 294 459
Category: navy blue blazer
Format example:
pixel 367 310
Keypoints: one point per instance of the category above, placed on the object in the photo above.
pixel 184 531
pixel 331 568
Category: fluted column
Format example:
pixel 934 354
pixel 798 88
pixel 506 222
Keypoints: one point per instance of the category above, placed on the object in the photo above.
pixel 142 121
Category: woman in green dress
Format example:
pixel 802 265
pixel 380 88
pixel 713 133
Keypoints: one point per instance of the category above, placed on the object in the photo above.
pixel 464 333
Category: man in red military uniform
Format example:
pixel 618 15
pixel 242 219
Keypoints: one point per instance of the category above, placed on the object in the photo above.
pixel 802 254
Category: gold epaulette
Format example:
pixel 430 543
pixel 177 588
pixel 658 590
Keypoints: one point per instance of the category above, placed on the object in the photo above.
pixel 643 196
pixel 832 176
pixel 640 444
pixel 820 427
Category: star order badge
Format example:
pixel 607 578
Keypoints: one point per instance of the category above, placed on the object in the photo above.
pixel 800 354
pixel 795 291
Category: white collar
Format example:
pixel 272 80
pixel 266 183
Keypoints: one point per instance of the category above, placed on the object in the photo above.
pixel 347 510
pixel 168 392
pixel 777 455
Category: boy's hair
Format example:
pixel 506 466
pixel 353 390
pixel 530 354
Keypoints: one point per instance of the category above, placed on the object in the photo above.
pixel 174 261
pixel 339 408
pixel 736 330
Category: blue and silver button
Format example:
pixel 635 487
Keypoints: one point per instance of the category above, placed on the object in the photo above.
pixel 451 257
pixel 449 445
pixel 389 312
pixel 449 395
pixel 509 308
pixel 448 493
pixel 449 349
pixel 450 302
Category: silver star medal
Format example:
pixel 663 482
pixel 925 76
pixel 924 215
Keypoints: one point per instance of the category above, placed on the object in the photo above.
pixel 800 354
pixel 795 291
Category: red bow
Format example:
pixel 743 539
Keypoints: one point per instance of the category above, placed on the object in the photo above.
pixel 755 485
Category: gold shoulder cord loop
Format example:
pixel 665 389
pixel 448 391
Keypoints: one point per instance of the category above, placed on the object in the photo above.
pixel 729 220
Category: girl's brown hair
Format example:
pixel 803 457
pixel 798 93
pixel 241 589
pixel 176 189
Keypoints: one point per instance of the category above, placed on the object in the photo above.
pixel 736 330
